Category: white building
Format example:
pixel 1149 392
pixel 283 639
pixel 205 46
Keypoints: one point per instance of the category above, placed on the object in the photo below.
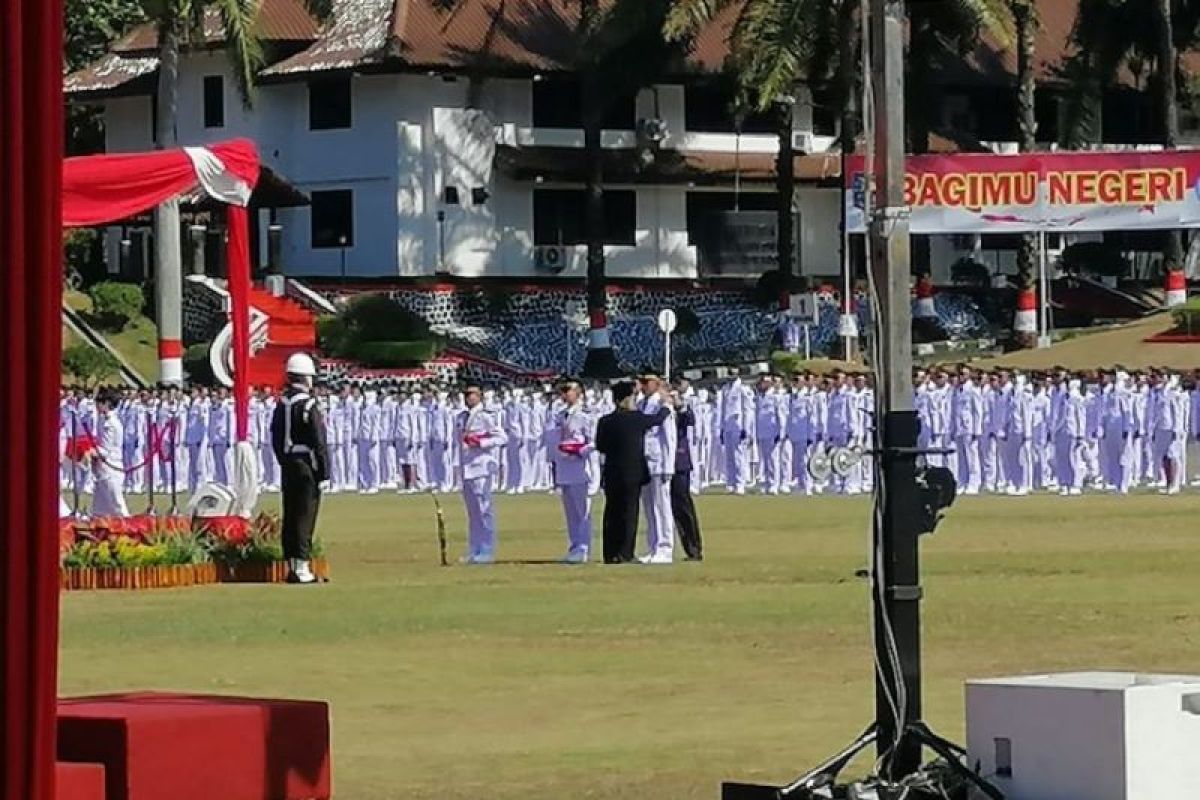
pixel 419 161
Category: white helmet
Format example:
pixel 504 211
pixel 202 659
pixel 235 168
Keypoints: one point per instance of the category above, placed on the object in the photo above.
pixel 301 364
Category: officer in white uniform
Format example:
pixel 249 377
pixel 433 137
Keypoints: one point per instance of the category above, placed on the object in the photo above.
pixel 570 442
pixel 481 437
pixel 108 465
pixel 660 461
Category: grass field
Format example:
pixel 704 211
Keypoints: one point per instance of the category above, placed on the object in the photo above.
pixel 531 680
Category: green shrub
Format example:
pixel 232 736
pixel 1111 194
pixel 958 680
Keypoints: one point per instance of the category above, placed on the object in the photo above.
pixel 395 355
pixel 114 305
pixel 89 365
pixel 333 337
pixel 379 318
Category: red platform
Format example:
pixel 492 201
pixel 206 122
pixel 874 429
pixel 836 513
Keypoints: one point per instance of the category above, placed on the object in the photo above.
pixel 198 747
pixel 78 781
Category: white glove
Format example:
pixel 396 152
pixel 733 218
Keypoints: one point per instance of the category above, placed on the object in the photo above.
pixel 324 486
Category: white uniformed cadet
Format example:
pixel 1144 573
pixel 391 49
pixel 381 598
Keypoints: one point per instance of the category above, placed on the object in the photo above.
pixel 108 467
pixel 570 441
pixel 298 437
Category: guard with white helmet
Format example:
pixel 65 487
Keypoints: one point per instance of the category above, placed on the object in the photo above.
pixel 298 437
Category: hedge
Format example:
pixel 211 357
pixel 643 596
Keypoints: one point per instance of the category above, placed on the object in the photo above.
pixel 114 304
pixel 395 355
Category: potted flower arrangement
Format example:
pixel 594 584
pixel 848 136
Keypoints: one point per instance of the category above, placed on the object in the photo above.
pixel 141 555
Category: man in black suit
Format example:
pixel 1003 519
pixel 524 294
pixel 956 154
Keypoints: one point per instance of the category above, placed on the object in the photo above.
pixel 620 437
pixel 687 524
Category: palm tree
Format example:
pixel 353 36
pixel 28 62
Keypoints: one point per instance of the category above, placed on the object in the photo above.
pixel 1025 18
pixel 1111 34
pixel 777 43
pixel 181 23
pixel 774 44
pixel 621 51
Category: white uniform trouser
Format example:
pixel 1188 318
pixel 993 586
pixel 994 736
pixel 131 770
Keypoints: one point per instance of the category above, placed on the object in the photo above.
pixel 135 479
pixel 349 465
pixel 660 523
pixel 1114 458
pixel 108 499
pixel 368 465
pixel 1069 461
pixel 387 464
pixel 1020 463
pixel 737 460
pixel 481 519
pixel 577 508
pixel 197 466
pixel 337 466
pixel 220 462
pixel 531 467
pixel 270 464
pixel 770 454
pixel 969 471
pixel 1169 447
pixel 513 459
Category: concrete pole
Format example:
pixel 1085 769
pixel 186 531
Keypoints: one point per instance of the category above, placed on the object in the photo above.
pixel 896 597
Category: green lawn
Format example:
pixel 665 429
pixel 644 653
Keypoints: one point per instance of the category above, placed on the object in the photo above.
pixel 138 343
pixel 531 680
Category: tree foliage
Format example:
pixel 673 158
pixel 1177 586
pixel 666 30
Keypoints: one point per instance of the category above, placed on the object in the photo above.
pixel 115 305
pixel 91 26
pixel 89 365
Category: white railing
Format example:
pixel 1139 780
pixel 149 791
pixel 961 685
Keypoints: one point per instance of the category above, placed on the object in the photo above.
pixel 314 301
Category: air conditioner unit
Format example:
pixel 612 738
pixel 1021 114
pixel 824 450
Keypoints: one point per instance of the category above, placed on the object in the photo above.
pixel 550 258
pixel 802 142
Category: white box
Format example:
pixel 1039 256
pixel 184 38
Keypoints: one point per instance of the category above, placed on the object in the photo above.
pixel 1087 736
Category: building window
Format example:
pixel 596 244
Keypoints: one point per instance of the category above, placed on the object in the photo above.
pixel 332 219
pixel 557 103
pixel 558 217
pixel 329 103
pixel 702 207
pixel 708 108
pixel 214 101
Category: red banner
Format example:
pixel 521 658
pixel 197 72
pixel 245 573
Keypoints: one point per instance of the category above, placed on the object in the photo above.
pixel 1074 192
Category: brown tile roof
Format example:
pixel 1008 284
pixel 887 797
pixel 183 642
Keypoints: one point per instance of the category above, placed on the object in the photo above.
pixel 108 75
pixel 358 35
pixel 505 35
pixel 278 21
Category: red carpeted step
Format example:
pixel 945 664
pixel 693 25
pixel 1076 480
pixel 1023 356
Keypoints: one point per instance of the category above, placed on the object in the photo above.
pixel 290 328
pixel 195 747
pixel 78 781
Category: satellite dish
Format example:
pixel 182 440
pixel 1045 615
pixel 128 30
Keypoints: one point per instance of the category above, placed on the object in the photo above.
pixel 844 459
pixel 819 466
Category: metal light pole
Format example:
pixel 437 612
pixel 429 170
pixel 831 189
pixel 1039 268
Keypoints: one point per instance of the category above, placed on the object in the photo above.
pixel 342 245
pixel 905 506
pixel 897 595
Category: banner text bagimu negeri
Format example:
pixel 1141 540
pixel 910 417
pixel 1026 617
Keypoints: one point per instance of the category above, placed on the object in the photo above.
pixel 1051 191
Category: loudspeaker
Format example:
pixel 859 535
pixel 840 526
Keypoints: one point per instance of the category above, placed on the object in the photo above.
pixel 820 466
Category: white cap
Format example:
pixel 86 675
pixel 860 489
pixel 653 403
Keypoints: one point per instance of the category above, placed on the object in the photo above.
pixel 301 364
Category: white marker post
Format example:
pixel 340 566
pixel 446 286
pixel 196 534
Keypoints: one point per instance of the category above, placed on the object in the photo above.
pixel 666 323
pixel 803 310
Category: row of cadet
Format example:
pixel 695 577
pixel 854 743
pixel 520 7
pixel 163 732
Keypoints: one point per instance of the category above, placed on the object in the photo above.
pixel 1000 432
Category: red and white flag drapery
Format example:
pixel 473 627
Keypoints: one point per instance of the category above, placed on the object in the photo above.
pixel 108 188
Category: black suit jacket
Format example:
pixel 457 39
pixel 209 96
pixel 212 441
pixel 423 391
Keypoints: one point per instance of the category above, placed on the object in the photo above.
pixel 621 438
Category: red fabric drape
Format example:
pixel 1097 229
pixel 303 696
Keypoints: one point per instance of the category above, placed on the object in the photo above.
pixel 99 189
pixel 31 128
pixel 237 253
pixel 107 188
